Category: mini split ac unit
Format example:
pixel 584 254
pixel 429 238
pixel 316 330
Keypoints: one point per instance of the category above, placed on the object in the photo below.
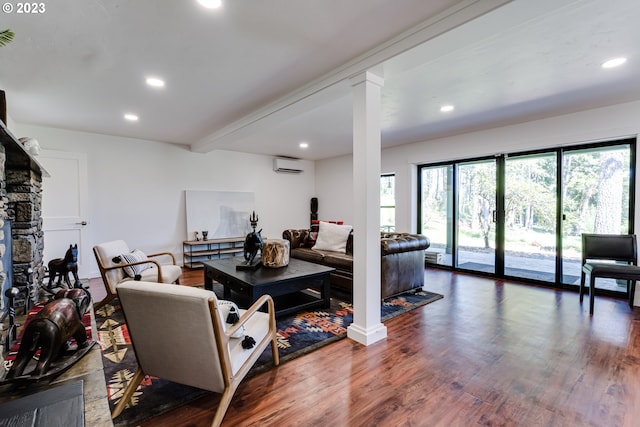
pixel 286 165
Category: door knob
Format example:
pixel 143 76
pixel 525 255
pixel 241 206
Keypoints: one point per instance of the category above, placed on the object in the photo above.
pixel 82 223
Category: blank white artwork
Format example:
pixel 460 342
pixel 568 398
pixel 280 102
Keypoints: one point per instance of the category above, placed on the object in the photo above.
pixel 222 213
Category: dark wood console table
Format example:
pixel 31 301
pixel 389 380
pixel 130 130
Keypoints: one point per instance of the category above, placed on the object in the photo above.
pixel 287 285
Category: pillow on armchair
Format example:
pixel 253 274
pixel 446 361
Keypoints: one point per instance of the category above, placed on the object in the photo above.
pixel 332 237
pixel 133 256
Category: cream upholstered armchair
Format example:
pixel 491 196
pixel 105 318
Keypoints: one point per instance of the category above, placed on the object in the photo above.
pixel 181 334
pixel 118 264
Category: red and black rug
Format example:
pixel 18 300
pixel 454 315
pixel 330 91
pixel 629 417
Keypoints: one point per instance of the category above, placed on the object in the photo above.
pixel 298 334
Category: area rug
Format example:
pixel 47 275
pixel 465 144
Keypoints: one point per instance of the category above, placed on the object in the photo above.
pixel 298 334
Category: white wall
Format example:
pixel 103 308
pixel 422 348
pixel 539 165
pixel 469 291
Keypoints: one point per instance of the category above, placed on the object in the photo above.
pixel 334 177
pixel 136 187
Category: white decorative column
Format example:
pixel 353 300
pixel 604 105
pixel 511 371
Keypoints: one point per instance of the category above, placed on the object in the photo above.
pixel 366 327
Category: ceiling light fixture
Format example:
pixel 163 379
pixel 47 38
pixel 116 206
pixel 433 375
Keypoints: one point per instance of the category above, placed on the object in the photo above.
pixel 304 145
pixel 155 82
pixel 131 117
pixel 210 4
pixel 612 63
pixel 447 108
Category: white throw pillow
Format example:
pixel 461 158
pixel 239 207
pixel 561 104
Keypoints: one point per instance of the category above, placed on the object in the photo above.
pixel 134 256
pixel 225 307
pixel 332 237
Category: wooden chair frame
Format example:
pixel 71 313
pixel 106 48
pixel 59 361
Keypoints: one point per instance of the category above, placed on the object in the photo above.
pixel 104 269
pixel 222 338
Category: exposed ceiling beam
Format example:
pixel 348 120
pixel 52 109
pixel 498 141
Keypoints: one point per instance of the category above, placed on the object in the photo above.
pixel 330 85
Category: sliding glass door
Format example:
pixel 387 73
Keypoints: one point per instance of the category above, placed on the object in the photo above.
pixel 530 217
pixel 476 216
pixel 522 215
pixel 436 206
pixel 596 196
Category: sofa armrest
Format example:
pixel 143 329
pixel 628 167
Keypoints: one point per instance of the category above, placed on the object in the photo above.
pixel 403 242
pixel 297 237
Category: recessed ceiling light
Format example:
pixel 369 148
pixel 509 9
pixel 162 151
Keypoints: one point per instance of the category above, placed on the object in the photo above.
pixel 210 4
pixel 131 117
pixel 155 82
pixel 304 145
pixel 614 62
pixel 446 108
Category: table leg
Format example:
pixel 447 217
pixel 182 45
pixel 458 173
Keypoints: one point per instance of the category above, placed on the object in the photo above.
pixel 326 291
pixel 208 281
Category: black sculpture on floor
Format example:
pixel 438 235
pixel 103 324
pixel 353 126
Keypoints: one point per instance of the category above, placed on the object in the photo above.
pixel 49 330
pixel 61 267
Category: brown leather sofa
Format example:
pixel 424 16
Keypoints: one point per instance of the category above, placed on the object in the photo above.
pixel 402 261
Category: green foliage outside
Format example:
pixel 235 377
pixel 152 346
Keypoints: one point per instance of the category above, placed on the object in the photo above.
pixel 595 194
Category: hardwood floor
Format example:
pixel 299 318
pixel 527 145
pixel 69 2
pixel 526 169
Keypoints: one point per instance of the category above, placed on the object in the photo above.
pixel 490 353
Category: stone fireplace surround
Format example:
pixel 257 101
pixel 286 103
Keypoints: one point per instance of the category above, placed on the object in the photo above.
pixel 21 205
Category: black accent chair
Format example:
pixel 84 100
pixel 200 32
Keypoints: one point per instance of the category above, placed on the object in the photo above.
pixel 622 249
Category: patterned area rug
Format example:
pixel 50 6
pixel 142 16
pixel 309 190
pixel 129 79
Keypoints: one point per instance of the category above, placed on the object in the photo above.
pixel 298 334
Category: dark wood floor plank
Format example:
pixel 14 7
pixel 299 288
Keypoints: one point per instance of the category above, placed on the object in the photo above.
pixel 490 353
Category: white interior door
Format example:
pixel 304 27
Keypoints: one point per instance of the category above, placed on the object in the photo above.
pixel 64 206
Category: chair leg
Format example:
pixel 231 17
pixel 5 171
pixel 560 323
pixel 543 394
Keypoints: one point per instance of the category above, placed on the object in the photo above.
pixel 225 401
pixel 582 286
pixel 128 392
pixel 632 291
pixel 592 293
pixel 274 351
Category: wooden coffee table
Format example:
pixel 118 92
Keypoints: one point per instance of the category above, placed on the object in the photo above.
pixel 289 286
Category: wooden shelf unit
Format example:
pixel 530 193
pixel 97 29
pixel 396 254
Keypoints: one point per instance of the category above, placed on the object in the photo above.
pixel 196 251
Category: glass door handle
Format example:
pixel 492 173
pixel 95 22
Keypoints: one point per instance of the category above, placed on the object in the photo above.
pixel 495 216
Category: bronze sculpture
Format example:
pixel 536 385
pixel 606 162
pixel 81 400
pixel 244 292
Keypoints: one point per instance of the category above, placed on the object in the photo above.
pixel 49 330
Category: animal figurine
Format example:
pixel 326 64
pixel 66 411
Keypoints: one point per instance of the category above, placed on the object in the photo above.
pixel 80 296
pixel 59 320
pixel 61 267
pixel 252 244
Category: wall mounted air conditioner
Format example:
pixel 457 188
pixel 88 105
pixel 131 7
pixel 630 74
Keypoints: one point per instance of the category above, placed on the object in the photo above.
pixel 287 165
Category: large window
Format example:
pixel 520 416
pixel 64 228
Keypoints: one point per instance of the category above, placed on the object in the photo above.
pixel 522 215
pixel 388 202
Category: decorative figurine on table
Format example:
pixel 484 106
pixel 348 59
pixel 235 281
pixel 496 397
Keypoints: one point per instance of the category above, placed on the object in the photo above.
pixel 205 235
pixel 252 244
pixel 195 236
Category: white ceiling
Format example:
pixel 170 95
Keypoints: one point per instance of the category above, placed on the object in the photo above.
pixel 262 76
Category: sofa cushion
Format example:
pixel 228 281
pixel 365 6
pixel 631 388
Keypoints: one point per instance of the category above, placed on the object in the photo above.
pixel 307 254
pixel 338 260
pixel 332 237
